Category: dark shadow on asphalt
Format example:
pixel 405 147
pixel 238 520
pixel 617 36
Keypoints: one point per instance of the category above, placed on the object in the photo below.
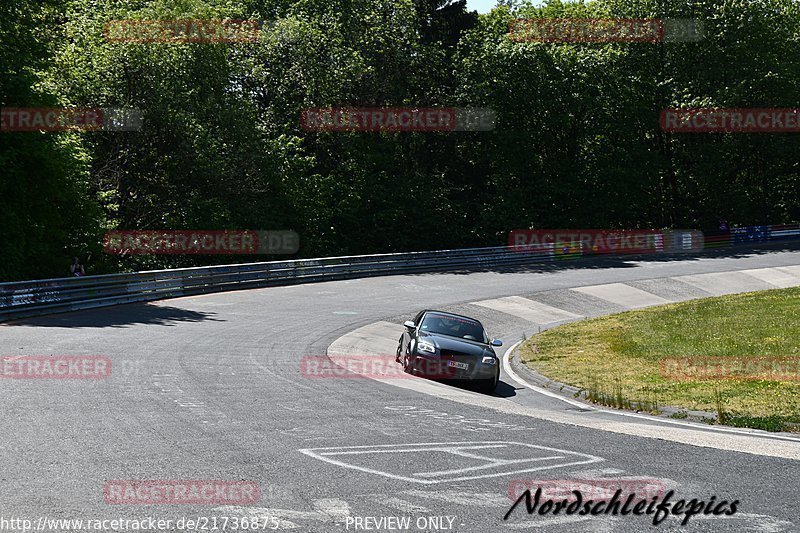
pixel 503 390
pixel 538 265
pixel 118 317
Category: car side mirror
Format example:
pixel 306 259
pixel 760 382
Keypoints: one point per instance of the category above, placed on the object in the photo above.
pixel 496 342
pixel 408 324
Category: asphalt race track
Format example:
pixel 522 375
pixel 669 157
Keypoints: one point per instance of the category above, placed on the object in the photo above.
pixel 210 388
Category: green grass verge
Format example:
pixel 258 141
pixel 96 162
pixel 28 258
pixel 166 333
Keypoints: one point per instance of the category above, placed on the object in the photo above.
pixel 617 358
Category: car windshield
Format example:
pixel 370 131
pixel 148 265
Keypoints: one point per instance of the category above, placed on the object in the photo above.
pixel 452 326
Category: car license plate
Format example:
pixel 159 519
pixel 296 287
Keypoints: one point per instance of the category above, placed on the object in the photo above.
pixel 456 364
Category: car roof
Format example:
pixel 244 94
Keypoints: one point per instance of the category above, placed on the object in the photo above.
pixel 445 313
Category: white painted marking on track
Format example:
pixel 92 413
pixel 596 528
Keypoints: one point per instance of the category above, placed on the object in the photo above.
pixel 480 499
pixel 399 504
pixel 280 513
pixel 325 510
pixel 333 507
pixel 532 454
pixel 414 450
pixel 549 522
pixel 597 472
pixel 493 464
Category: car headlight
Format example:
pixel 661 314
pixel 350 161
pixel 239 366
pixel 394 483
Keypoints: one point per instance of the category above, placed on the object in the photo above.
pixel 489 360
pixel 423 346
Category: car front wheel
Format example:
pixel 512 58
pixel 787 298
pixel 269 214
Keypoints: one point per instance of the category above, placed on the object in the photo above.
pixel 488 386
pixel 407 365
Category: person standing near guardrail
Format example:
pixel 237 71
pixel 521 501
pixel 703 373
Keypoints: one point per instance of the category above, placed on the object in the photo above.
pixel 77 268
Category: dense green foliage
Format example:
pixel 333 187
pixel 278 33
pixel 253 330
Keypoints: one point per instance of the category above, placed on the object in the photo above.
pixel 577 143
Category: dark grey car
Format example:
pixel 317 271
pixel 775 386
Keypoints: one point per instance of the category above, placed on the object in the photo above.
pixel 441 345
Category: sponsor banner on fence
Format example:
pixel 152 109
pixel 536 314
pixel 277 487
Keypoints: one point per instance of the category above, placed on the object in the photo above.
pixel 762 234
pixel 55 367
pixel 731 120
pixel 201 242
pixel 180 491
pixel 766 368
pixel 555 30
pixel 590 489
pixel 683 240
pixel 782 232
pixel 752 235
pixel 421 119
pixel 587 241
pixel 69 119
pixel 183 31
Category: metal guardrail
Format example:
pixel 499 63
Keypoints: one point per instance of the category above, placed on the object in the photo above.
pixel 32 298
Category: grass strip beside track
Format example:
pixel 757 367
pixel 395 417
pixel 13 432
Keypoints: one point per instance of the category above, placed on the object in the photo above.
pixel 617 359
